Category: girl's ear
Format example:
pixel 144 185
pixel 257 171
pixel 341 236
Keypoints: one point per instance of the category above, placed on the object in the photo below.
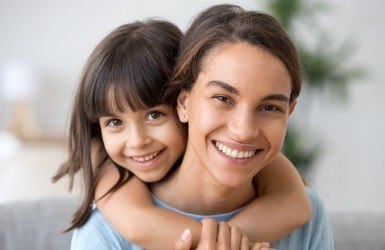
pixel 292 107
pixel 182 106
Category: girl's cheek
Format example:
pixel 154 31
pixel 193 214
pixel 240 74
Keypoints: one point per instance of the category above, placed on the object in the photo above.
pixel 113 143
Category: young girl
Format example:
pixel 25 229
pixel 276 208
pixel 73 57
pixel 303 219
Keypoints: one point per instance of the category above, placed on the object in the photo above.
pixel 119 101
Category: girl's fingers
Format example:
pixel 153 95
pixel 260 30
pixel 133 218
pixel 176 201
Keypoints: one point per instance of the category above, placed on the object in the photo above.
pixel 223 236
pixel 209 234
pixel 261 246
pixel 245 243
pixel 185 240
pixel 235 238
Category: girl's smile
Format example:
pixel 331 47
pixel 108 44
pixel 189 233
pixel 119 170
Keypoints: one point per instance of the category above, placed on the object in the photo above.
pixel 145 157
pixel 147 161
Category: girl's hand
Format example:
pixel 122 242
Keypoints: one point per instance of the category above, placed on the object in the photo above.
pixel 219 236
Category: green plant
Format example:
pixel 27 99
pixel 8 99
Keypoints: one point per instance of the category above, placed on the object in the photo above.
pixel 325 69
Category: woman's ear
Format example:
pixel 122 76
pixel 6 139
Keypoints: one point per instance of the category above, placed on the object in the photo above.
pixel 292 106
pixel 182 106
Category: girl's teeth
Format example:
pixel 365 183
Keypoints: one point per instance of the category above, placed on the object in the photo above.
pixel 146 158
pixel 233 153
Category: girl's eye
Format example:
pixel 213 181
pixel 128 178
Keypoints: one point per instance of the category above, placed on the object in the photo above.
pixel 114 122
pixel 223 99
pixel 154 115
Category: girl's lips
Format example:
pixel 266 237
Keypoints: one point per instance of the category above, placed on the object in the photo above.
pixel 145 157
pixel 150 162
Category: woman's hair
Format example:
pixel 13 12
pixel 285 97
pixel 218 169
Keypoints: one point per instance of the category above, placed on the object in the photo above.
pixel 128 68
pixel 223 24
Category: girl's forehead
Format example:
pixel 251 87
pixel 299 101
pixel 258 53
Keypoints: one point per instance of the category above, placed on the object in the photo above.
pixel 119 104
pixel 119 99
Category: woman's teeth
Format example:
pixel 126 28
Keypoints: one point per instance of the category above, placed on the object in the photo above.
pixel 145 158
pixel 234 153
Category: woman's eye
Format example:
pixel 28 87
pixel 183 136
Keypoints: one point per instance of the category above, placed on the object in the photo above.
pixel 270 108
pixel 114 122
pixel 223 99
pixel 154 115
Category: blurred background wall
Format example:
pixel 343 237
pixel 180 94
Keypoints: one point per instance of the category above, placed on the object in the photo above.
pixel 49 42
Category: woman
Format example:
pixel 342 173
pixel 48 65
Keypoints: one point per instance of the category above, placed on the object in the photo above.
pixel 238 77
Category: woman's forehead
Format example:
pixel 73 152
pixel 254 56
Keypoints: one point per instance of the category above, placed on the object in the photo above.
pixel 247 67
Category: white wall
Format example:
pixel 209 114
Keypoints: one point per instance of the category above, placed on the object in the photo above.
pixel 55 38
pixel 351 172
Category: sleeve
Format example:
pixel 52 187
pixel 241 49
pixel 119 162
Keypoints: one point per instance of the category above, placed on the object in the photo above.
pixel 83 240
pixel 321 235
pixel 316 234
pixel 98 234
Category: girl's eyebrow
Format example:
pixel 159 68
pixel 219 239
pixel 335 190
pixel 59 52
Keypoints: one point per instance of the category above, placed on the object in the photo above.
pixel 223 85
pixel 109 114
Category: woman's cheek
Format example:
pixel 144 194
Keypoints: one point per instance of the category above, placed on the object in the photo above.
pixel 276 132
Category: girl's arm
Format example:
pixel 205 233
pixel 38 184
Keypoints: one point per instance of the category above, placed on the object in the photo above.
pixel 281 207
pixel 131 211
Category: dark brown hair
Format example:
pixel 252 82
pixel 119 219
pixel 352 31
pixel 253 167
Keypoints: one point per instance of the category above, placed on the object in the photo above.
pixel 130 67
pixel 222 24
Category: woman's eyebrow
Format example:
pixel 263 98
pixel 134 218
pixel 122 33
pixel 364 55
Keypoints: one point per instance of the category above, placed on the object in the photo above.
pixel 276 97
pixel 231 89
pixel 223 85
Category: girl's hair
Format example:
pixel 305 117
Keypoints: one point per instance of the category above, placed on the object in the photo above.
pixel 128 68
pixel 223 24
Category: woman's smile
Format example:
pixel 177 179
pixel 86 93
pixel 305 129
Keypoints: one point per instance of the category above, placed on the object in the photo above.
pixel 235 151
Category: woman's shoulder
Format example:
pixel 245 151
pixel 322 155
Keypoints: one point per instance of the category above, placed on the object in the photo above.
pixel 315 234
pixel 319 213
pixel 316 201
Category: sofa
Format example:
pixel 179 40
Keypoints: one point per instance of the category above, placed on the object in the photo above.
pixel 37 224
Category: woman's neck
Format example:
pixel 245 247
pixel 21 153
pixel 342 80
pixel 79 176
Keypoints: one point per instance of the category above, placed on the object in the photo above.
pixel 191 188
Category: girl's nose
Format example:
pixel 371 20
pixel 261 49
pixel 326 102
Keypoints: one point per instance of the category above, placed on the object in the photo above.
pixel 137 137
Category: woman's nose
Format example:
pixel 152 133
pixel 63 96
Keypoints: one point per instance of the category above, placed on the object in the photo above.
pixel 242 126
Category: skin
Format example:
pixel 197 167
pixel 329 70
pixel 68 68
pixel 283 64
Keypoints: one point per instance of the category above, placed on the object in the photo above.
pixel 253 117
pixel 281 207
pixel 219 236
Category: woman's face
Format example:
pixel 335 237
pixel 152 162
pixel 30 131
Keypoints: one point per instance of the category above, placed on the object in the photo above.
pixel 146 142
pixel 237 112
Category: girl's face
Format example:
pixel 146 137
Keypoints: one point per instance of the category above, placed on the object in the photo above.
pixel 146 142
pixel 237 112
